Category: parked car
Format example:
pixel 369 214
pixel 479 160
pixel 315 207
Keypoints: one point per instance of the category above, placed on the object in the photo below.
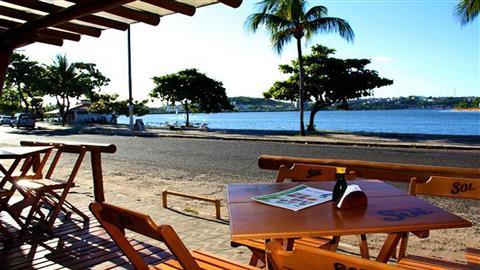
pixel 23 120
pixel 5 120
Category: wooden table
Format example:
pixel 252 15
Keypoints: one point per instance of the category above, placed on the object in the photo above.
pixel 389 210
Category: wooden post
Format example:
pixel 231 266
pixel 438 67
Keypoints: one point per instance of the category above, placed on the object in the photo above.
pixel 96 160
pixel 5 54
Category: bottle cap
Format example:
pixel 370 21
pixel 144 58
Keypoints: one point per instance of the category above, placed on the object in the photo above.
pixel 341 169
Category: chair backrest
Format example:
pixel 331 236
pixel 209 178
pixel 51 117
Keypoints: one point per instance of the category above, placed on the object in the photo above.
pixel 310 173
pixel 115 220
pixel 453 187
pixel 307 258
pixel 81 151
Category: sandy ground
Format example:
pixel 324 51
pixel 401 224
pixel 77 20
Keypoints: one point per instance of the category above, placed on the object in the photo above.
pixel 137 183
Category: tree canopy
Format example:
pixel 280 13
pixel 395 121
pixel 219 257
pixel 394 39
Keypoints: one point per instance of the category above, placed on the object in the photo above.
pixel 288 19
pixel 27 77
pixel 193 89
pixel 109 103
pixel 328 80
pixel 66 81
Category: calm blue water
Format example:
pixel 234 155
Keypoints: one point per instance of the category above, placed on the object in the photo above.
pixel 391 121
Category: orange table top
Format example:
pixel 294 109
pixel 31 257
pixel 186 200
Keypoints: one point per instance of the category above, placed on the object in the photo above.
pixel 389 210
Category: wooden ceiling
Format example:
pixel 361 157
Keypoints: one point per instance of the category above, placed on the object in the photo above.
pixel 23 22
pixel 52 21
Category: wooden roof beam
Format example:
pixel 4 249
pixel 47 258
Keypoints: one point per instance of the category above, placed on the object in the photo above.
pixel 50 8
pixel 48 32
pixel 173 5
pixel 232 3
pixel 48 40
pixel 29 17
pixel 128 13
pixel 12 37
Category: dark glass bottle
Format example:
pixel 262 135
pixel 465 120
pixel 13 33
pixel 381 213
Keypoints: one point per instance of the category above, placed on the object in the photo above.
pixel 341 184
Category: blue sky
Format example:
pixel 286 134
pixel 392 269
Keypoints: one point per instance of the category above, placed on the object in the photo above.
pixel 418 44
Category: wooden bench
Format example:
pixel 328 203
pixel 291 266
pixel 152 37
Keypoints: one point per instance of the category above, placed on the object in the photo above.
pixel 116 220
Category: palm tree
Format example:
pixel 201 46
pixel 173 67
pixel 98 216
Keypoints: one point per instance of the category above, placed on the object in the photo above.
pixel 285 19
pixel 467 10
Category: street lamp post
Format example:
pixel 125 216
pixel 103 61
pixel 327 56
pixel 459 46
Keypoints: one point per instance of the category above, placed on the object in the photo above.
pixel 130 100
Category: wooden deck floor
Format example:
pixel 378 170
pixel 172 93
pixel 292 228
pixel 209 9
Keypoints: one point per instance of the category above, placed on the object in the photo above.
pixel 74 244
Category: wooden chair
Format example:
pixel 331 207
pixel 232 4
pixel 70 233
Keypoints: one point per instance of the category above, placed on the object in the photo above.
pixel 310 173
pixel 451 187
pixel 303 173
pixel 44 191
pixel 308 258
pixel 4 197
pixel 116 220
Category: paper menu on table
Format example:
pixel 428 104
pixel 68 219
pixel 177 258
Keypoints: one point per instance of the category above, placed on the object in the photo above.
pixel 296 198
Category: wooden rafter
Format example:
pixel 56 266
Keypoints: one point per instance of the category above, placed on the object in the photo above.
pixel 46 32
pixel 50 8
pixel 232 3
pixel 58 19
pixel 132 14
pixel 49 28
pixel 173 6
pixel 26 16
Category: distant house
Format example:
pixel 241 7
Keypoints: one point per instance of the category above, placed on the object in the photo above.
pixel 79 114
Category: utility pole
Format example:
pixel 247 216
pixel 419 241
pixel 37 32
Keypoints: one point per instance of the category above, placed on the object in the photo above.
pixel 130 99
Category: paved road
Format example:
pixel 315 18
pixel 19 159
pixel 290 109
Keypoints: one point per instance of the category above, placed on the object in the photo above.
pixel 236 159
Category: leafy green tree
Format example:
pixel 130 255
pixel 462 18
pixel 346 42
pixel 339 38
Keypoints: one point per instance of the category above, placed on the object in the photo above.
pixel 194 90
pixel 287 19
pixel 66 81
pixel 106 103
pixel 467 10
pixel 9 102
pixel 328 81
pixel 27 77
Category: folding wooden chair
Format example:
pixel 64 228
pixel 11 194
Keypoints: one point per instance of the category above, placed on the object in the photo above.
pixel 4 197
pixel 115 220
pixel 303 173
pixel 451 187
pixel 52 191
pixel 308 258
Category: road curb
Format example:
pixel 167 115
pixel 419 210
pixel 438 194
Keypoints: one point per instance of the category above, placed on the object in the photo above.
pixel 278 140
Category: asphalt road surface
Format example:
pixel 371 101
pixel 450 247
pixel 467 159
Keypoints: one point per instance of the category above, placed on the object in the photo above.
pixel 235 159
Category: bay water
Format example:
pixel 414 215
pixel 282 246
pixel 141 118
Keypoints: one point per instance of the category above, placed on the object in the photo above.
pixel 445 122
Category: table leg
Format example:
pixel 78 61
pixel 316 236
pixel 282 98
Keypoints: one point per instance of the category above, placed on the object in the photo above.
pixel 96 160
pixel 364 247
pixel 389 247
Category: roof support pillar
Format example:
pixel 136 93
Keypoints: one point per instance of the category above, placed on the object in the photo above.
pixel 5 54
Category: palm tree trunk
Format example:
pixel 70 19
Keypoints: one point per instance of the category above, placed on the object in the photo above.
pixel 300 81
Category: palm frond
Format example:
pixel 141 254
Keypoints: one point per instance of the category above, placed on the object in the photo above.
pixel 467 10
pixel 270 21
pixel 316 12
pixel 330 25
pixel 280 38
